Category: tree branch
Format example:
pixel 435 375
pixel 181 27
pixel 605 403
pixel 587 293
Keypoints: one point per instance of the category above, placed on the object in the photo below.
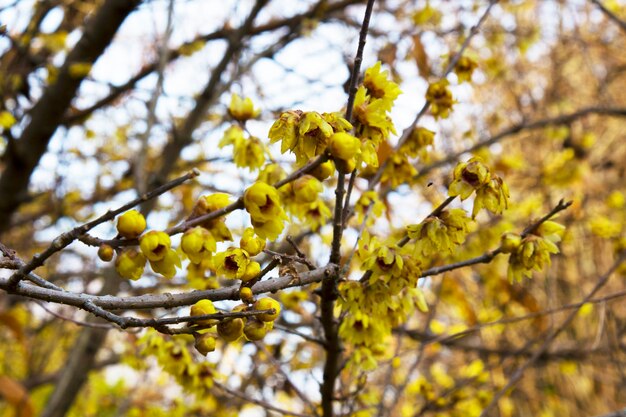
pixel 47 114
pixel 519 372
pixel 166 300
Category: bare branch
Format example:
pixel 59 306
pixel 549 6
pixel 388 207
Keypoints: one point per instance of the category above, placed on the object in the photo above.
pixel 166 300
pixel 519 372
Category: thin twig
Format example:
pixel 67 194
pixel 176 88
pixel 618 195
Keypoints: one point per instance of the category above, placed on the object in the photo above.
pixel 329 287
pixel 260 403
pixel 519 372
pixel 488 256
pixel 63 240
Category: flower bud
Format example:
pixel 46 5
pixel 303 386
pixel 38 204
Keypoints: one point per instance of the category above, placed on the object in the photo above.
pixel 251 243
pixel 254 330
pixel 230 330
pixel 130 264
pixel 252 271
pixel 246 295
pixel 105 252
pixel 344 146
pixel 201 308
pixel 131 224
pixel 509 242
pixel 267 304
pixel 205 343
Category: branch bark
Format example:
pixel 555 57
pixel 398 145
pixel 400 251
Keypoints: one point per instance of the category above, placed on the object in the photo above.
pixel 47 114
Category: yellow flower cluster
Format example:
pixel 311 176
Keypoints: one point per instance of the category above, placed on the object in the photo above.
pixel 533 252
pixel 262 202
pixel 154 246
pixel 372 102
pixel 440 98
pixel 176 359
pixel 417 141
pixel 306 134
pixel 371 310
pixel 473 175
pixel 242 109
pixel 441 233
pixel 231 329
pixel 248 152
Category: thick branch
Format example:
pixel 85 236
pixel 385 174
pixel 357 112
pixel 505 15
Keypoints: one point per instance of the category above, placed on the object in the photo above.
pixel 166 300
pixel 539 124
pixel 46 115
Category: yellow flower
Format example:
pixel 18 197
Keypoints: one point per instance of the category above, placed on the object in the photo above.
pixel 208 204
pixel 367 199
pixel 202 308
pixel 242 109
pixel 285 130
pixel 130 264
pixel 533 254
pixel 198 243
pixel 131 224
pixel 315 214
pixel 419 138
pixel 337 121
pixel 307 188
pixel 440 98
pixel 398 170
pixel 232 136
pixel 373 115
pixel 267 304
pixel 494 196
pixel 167 265
pixel 263 203
pixel 344 146
pixel 314 133
pixel 380 87
pixel 270 229
pixel 384 263
pixel 464 68
pixel 155 245
pixel 468 176
pixel 251 243
pixel 6 120
pixel 232 263
pixel 271 174
pixel 439 233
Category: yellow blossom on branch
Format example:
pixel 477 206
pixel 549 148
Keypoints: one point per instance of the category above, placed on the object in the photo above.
pixel 232 263
pixel 440 98
pixel 262 201
pixel 131 224
pixel 242 109
pixel 130 264
pixel 251 243
pixel 154 245
pixel 198 244
pixel 208 204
